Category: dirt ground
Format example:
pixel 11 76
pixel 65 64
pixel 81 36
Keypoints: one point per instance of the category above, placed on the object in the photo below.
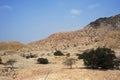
pixel 28 69
pixel 61 72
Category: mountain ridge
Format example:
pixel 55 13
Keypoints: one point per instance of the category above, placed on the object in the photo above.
pixel 96 34
pixel 101 32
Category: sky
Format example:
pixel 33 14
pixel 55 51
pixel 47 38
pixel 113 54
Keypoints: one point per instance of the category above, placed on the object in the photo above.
pixel 31 20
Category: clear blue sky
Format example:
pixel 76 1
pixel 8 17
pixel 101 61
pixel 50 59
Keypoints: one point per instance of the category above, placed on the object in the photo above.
pixel 31 20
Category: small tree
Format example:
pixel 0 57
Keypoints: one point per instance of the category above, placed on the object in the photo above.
pixel 99 58
pixel 58 53
pixel 69 62
pixel 11 62
pixel 12 72
pixel 42 60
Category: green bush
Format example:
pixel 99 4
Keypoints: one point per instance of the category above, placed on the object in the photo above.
pixel 103 58
pixel 80 56
pixel 42 60
pixel 117 63
pixel 58 53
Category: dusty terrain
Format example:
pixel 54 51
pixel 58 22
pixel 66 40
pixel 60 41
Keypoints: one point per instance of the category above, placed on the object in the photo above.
pixel 28 69
pixel 104 32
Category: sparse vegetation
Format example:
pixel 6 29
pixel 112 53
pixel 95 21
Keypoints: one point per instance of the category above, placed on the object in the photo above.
pixel 97 23
pixel 69 62
pixel 42 60
pixel 11 62
pixel 100 58
pixel 58 53
pixel 68 54
pixel 30 55
pixel 80 56
pixel 42 54
pixel 61 52
pixel 10 71
pixel 0 60
pixel 117 63
pixel 48 54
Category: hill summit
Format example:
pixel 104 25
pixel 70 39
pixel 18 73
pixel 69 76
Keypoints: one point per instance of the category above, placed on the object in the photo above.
pixel 6 46
pixel 101 32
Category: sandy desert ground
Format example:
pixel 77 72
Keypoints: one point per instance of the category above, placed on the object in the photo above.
pixel 28 69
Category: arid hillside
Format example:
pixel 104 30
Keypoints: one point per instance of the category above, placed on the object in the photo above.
pixel 23 62
pixel 101 32
pixel 11 46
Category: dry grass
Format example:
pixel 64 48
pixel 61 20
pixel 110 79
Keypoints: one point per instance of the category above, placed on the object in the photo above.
pixel 57 72
pixel 11 46
pixel 27 69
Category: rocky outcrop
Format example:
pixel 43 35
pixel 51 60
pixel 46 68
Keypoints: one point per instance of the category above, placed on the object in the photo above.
pixel 97 33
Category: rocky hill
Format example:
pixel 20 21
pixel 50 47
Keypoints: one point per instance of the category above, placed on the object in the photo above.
pixel 101 32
